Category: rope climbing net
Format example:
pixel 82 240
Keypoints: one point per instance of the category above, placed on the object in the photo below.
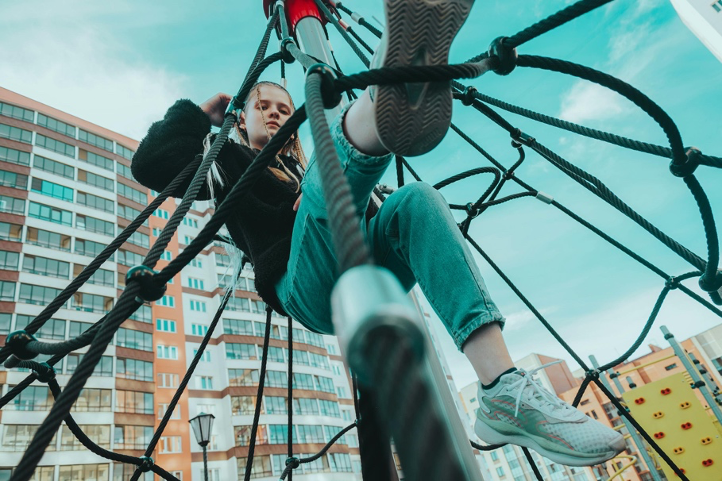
pixel 425 451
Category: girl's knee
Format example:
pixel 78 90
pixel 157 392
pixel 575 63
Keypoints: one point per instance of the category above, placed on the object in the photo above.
pixel 419 194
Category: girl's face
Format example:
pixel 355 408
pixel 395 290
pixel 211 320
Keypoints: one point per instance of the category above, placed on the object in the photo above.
pixel 267 109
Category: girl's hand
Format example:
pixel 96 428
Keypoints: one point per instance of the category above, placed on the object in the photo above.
pixel 297 203
pixel 215 108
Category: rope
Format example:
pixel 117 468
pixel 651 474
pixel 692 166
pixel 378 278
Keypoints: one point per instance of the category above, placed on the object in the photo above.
pixel 532 464
pixel 290 394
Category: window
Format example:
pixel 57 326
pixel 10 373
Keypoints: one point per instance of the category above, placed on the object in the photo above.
pixel 163 408
pixel 53 145
pixel 16 438
pixel 34 295
pixel 11 232
pixel 77 327
pixel 126 471
pixel 134 369
pixel 165 325
pixel 94 225
pixel 261 466
pixel 239 304
pixel 104 368
pixel 199 330
pixel 325 384
pixel 198 306
pixel 166 300
pixel 54 167
pixel 132 194
pixel 167 255
pixel 84 472
pixel 276 405
pixel 9 260
pixel 53 328
pixel 46 266
pixel 196 263
pixel 143 313
pixel 102 277
pixel 189 221
pixel 195 283
pixel 93 400
pixel 178 474
pixel 9 110
pixel 16 134
pixel 278 434
pixel 495 457
pixel 167 352
pixel 13 179
pixel 96 159
pixel 96 202
pixel 245 405
pixel 51 189
pixel 12 205
pixel 56 125
pixel 237 327
pixel 100 434
pixel 133 402
pixel 124 152
pixel 14 156
pixel 329 408
pixel 500 471
pixel 129 213
pixel 5 319
pixel 717 5
pixel 49 213
pixel 161 213
pixel 129 258
pixel 96 180
pixel 204 382
pixel 339 462
pixel 47 239
pixel 138 340
pixel 319 361
pixel 95 140
pixel 92 303
pixel 205 356
pixel 275 354
pixel 132 437
pixel 671 367
pixel 242 377
pixel 170 445
pixel 305 406
pixel 43 473
pixel 124 171
pixel 168 380
pixel 240 351
pixel 31 399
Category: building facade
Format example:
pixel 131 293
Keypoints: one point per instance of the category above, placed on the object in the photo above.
pixel 65 192
pixel 704 19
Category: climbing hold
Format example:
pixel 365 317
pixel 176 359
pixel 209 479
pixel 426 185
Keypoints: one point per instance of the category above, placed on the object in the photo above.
pixel 149 290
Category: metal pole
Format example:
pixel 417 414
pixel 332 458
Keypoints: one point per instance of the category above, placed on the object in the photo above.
pixel 709 379
pixel 698 382
pixel 205 463
pixel 638 441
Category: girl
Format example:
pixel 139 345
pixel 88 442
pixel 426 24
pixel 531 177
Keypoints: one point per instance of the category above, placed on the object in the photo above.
pixel 282 223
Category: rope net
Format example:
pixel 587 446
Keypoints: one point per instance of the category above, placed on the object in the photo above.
pixel 420 452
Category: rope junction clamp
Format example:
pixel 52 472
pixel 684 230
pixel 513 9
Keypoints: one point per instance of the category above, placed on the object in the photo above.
pixel 713 284
pixel 522 138
pixel 47 374
pixel 149 290
pixel 507 56
pixel 672 283
pixel 331 97
pixel 468 96
pixel 694 156
pixel 147 464
pixel 544 197
pixel 288 57
pixel 17 341
pixel 294 462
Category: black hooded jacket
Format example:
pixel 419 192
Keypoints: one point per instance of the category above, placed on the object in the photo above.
pixel 262 223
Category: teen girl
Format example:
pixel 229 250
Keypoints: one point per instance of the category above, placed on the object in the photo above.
pixel 282 223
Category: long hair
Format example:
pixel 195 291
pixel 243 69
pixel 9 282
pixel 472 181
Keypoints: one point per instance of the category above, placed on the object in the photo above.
pixel 292 148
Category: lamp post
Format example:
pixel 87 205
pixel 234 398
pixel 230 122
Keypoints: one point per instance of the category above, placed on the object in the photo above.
pixel 202 425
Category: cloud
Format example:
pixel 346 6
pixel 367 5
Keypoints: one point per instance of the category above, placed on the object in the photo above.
pixel 77 68
pixel 586 101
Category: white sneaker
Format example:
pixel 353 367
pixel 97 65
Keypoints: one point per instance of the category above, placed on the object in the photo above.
pixel 411 119
pixel 518 410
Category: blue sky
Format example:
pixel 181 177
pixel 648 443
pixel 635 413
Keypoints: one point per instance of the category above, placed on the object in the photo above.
pixel 122 64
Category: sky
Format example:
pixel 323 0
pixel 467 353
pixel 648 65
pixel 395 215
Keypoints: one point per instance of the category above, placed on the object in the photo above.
pixel 122 64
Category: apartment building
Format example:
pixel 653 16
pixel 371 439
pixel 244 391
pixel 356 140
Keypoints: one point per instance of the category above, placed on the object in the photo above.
pixel 65 192
pixel 704 19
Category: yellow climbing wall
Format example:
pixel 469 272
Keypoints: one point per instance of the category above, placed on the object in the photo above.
pixel 671 413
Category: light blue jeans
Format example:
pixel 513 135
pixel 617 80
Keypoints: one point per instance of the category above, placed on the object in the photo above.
pixel 413 235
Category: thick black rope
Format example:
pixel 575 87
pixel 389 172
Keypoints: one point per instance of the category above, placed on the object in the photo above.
pixel 259 396
pixel 290 394
pixel 263 47
pixel 334 21
pixel 532 464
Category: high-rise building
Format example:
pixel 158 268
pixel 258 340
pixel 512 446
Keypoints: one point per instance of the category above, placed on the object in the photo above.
pixel 704 19
pixel 66 191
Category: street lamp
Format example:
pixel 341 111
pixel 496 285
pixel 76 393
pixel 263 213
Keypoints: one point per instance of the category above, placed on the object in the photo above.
pixel 202 424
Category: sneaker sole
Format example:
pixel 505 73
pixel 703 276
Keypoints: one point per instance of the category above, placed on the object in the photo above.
pixel 489 435
pixel 411 119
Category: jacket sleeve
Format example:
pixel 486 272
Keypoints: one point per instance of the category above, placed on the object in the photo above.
pixel 172 143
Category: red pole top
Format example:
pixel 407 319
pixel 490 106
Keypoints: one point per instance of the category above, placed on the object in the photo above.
pixel 295 11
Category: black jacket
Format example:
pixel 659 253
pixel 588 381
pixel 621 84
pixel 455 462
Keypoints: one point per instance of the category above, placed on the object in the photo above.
pixel 263 222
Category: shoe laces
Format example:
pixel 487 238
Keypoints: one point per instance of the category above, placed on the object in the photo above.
pixel 538 391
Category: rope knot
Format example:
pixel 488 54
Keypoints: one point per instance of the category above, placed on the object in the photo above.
pixel 331 97
pixel 469 95
pixel 688 166
pixel 293 462
pixel 672 283
pixel 18 341
pixel 45 372
pixel 146 464
pixel 471 211
pixel 507 56
pixel 593 374
pixel 149 290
